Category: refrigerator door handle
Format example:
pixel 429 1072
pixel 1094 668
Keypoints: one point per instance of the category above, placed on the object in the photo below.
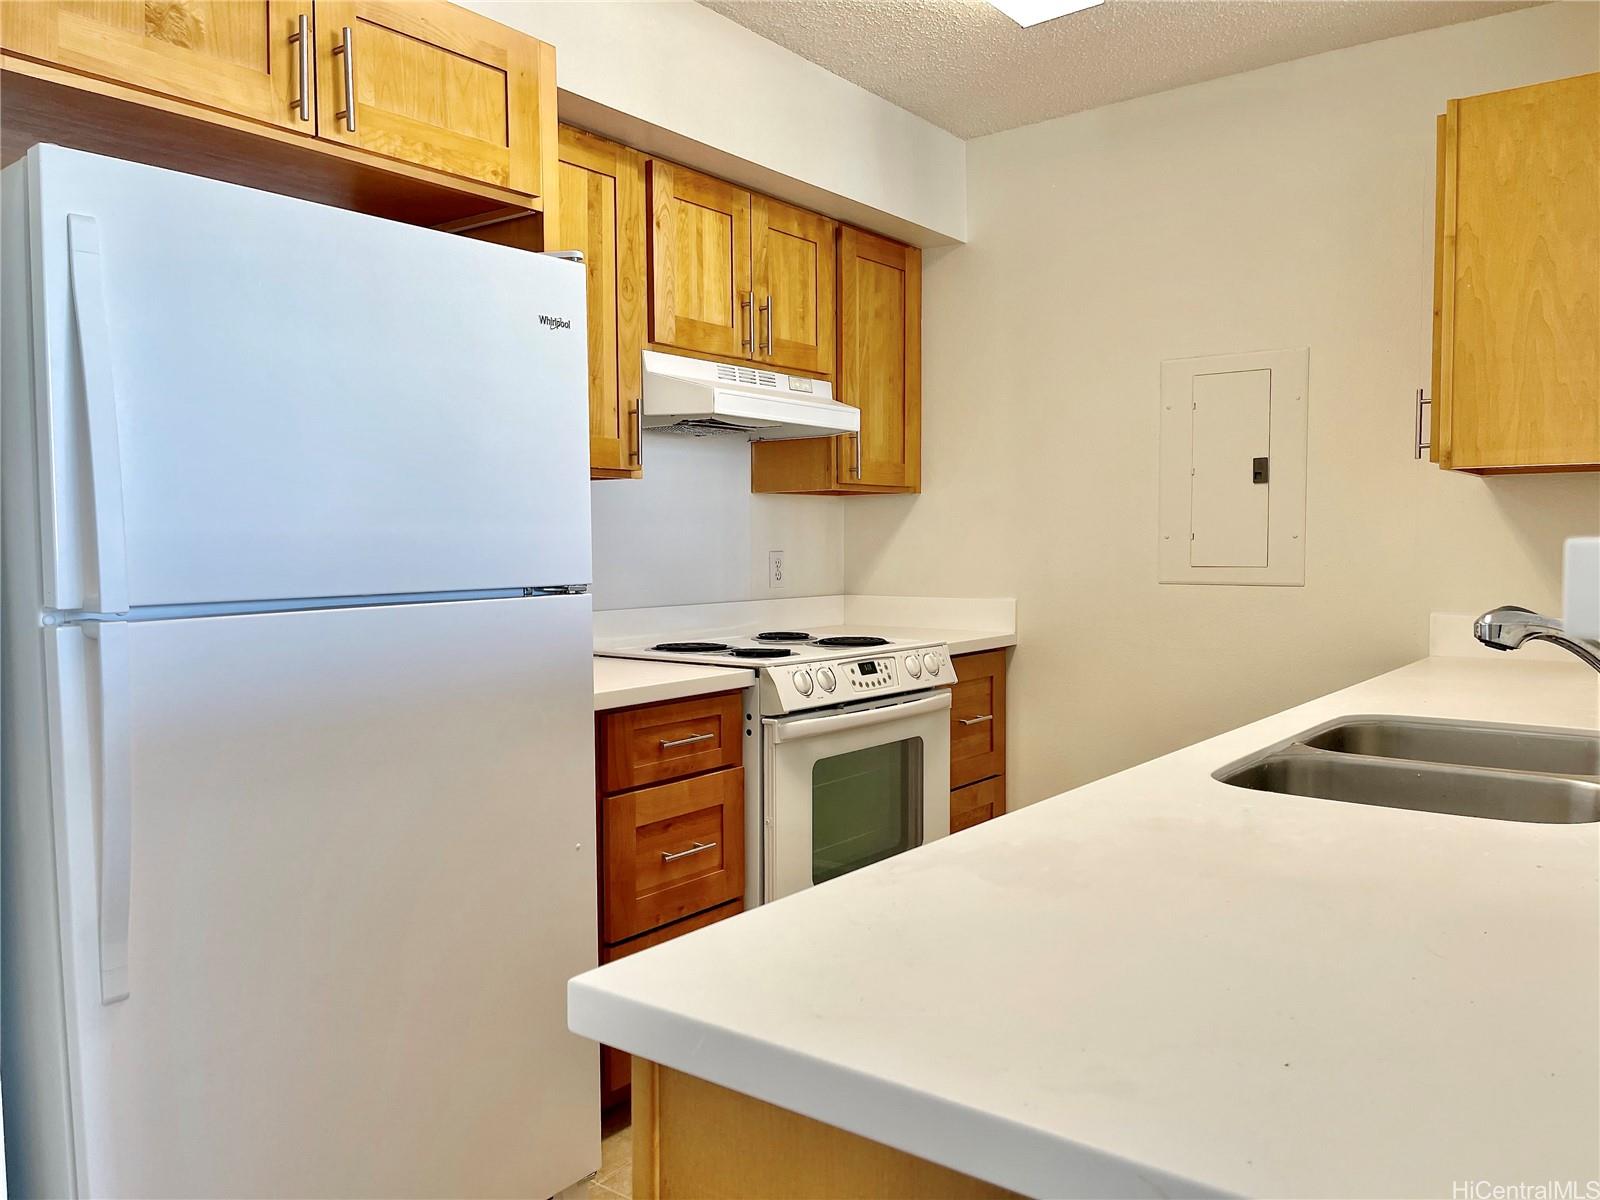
pixel 116 808
pixel 105 454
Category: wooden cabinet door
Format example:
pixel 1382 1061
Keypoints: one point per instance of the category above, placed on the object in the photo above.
pixel 1519 328
pixel 602 214
pixel 437 86
pixel 700 294
pixel 880 360
pixel 792 255
pixel 231 55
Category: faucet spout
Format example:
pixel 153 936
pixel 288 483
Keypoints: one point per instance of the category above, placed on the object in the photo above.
pixel 1509 626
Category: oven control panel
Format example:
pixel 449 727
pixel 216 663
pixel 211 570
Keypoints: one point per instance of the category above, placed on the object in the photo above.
pixel 841 681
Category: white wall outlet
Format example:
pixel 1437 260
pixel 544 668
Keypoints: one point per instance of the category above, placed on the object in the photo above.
pixel 775 578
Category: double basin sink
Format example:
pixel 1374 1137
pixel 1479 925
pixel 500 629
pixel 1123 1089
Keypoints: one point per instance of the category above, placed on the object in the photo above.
pixel 1498 772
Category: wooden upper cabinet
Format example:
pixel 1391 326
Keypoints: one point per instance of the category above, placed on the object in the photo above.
pixel 792 252
pixel 235 56
pixel 602 213
pixel 436 86
pixel 880 360
pixel 700 297
pixel 878 369
pixel 1517 281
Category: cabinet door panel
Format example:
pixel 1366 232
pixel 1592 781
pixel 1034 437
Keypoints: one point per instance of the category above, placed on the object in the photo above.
pixel 435 85
pixel 602 214
pixel 700 295
pixel 977 803
pixel 231 55
pixel 1522 314
pixel 793 257
pixel 880 365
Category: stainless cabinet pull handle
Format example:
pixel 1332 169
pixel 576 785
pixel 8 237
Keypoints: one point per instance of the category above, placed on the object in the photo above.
pixel 694 849
pixel 638 432
pixel 977 720
pixel 348 48
pixel 688 741
pixel 301 37
pixel 749 305
pixel 766 308
pixel 856 437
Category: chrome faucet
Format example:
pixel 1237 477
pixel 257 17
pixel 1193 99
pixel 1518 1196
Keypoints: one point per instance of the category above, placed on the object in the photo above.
pixel 1508 627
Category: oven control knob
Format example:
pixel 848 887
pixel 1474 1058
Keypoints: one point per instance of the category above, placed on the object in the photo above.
pixel 931 661
pixel 825 679
pixel 913 666
pixel 802 682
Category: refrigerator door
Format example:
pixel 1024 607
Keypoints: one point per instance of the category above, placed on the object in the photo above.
pixel 358 871
pixel 246 397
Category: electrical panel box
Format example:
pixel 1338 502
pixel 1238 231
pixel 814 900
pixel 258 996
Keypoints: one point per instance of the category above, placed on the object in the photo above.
pixel 1233 468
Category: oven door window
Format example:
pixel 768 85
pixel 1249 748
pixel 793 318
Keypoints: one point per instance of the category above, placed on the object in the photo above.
pixel 865 805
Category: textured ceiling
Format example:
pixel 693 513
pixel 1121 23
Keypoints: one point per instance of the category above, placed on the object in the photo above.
pixel 966 67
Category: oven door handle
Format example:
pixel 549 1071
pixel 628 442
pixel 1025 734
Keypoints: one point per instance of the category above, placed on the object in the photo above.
pixel 793 731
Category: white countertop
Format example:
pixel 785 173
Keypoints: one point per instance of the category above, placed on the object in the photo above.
pixel 623 682
pixel 1158 984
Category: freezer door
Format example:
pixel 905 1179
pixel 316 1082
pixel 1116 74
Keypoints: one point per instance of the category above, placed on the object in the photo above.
pixel 360 870
pixel 247 397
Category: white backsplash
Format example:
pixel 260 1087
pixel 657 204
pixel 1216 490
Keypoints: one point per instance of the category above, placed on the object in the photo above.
pixel 690 532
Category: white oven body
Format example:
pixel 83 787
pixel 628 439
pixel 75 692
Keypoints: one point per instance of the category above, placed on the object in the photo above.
pixel 847 787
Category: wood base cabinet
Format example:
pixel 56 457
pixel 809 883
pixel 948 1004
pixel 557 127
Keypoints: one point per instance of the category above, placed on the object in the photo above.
pixel 977 739
pixel 692 1138
pixel 1516 364
pixel 670 814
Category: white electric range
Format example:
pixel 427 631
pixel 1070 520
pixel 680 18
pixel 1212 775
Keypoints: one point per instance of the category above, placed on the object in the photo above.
pixel 854 746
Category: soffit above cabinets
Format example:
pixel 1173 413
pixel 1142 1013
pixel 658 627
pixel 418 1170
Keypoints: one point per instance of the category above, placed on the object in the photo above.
pixel 1233 468
pixel 968 68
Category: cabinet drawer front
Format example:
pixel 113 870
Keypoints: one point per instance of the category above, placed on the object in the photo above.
pixel 231 55
pixel 658 742
pixel 978 718
pixel 671 851
pixel 977 803
pixel 435 85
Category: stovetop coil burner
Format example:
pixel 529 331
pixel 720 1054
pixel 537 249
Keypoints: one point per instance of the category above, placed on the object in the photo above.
pixel 852 640
pixel 760 652
pixel 783 635
pixel 691 647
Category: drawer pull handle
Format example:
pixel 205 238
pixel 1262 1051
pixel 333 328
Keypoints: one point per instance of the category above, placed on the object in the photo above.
pixel 694 849
pixel 688 741
pixel 977 720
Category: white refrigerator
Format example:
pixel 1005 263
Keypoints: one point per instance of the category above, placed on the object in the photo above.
pixel 298 838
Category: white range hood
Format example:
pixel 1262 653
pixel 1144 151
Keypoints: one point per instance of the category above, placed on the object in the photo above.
pixel 691 395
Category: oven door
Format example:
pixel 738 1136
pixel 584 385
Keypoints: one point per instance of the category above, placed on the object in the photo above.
pixel 849 787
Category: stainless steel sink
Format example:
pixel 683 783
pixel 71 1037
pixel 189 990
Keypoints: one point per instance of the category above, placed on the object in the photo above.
pixel 1506 747
pixel 1499 772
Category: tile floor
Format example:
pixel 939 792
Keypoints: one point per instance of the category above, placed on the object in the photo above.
pixel 614 1179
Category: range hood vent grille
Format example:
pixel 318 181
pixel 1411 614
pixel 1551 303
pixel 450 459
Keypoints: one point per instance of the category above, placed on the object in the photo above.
pixel 728 373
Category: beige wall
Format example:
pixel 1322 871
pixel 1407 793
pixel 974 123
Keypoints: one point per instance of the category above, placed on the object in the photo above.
pixel 1289 206
pixel 672 77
